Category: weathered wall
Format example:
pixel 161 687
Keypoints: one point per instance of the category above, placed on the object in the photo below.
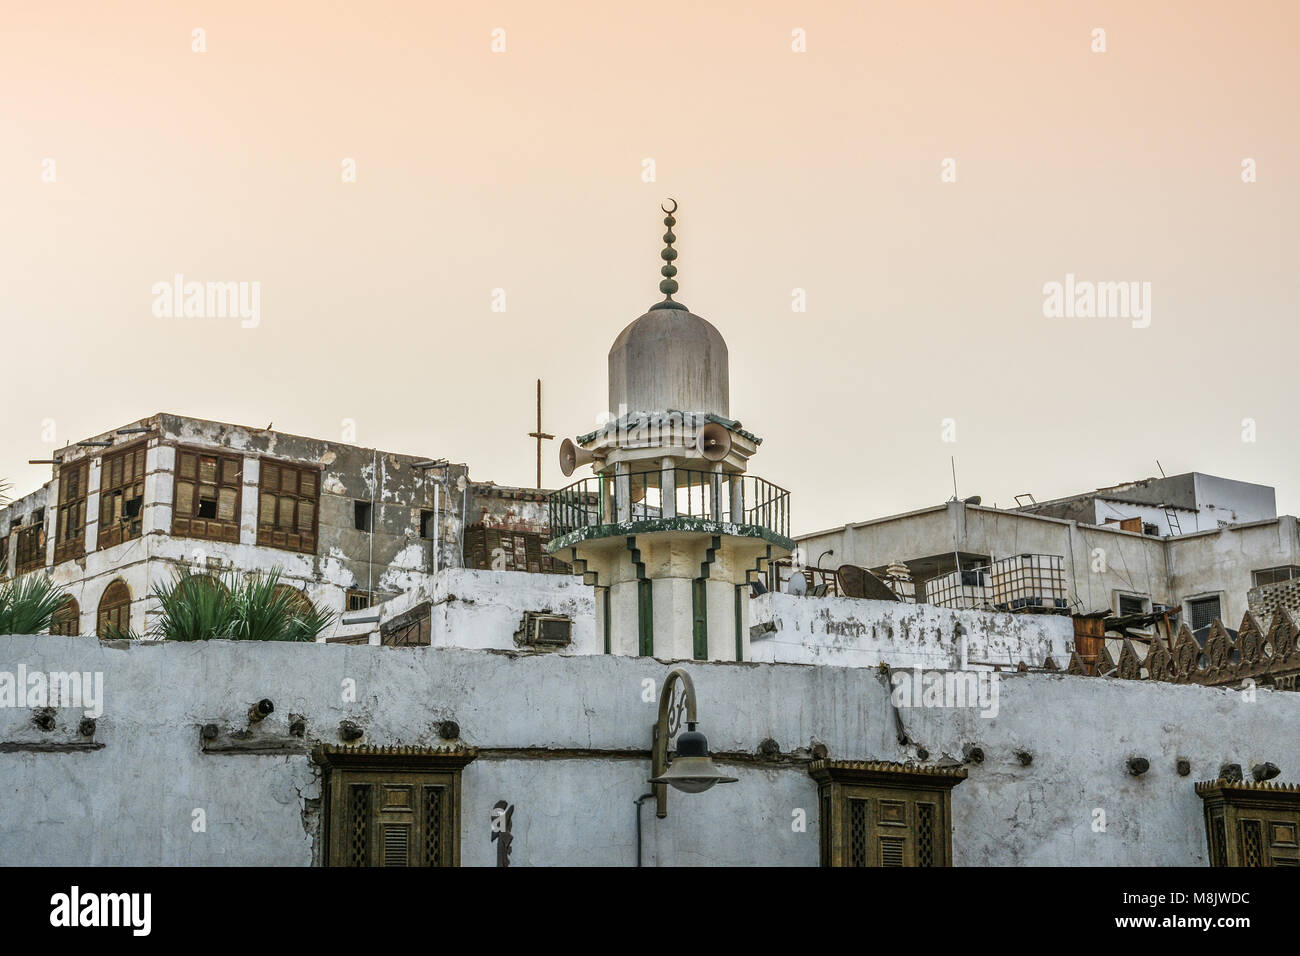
pixel 1100 562
pixel 850 632
pixel 564 740
pixel 485 609
pixel 401 560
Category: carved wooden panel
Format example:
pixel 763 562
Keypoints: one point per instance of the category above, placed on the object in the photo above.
pixel 1251 824
pixel 883 814
pixel 394 806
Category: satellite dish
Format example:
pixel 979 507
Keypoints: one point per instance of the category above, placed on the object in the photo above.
pixel 797 585
pixel 856 582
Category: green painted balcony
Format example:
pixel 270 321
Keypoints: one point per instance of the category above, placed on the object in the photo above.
pixel 674 499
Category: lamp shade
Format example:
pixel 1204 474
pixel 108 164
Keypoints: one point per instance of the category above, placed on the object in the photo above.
pixel 692 770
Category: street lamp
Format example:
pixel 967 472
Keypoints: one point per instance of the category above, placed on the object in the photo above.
pixel 691 769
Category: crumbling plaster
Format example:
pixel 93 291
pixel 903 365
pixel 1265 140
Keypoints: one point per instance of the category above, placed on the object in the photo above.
pixel 564 740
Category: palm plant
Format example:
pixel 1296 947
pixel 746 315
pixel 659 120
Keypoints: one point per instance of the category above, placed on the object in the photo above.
pixel 195 607
pixel 27 605
pixel 255 607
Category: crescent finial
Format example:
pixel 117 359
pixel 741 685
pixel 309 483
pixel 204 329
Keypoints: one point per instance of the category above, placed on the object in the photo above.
pixel 669 284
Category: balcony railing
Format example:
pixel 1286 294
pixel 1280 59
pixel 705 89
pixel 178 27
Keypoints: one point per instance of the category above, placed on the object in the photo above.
pixel 674 493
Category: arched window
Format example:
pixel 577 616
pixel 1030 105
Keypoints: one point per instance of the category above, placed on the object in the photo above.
pixel 67 619
pixel 114 610
pixel 298 602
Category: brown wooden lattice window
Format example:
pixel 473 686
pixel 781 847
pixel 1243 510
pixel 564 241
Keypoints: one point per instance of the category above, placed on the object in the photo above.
pixel 288 499
pixel 885 814
pixel 206 502
pixel 114 615
pixel 1251 824
pixel 70 529
pixel 67 619
pixel 391 806
pixel 121 497
pixel 4 555
pixel 29 548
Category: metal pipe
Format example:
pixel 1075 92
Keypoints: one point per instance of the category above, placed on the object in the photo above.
pixel 640 800
pixel 370 564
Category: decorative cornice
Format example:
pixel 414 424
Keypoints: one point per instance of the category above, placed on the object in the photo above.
pixel 1211 786
pixel 886 772
pixel 368 757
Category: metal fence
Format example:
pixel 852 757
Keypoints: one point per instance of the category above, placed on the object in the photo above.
pixel 670 493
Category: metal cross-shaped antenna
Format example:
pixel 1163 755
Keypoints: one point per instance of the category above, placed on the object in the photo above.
pixel 539 434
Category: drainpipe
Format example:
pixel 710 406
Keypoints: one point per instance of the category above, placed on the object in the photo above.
pixel 370 565
pixel 640 800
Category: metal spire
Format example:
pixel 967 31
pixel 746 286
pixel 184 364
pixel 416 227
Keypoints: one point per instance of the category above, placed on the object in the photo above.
pixel 669 285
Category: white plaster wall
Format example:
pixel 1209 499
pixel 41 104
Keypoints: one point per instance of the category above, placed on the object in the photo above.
pixel 484 609
pixel 564 740
pixel 1224 500
pixel 853 632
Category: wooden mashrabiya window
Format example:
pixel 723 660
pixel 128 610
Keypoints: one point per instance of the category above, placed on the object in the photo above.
pixel 391 806
pixel 29 548
pixel 208 494
pixel 288 501
pixel 70 529
pixel 121 496
pixel 1251 824
pixel 885 814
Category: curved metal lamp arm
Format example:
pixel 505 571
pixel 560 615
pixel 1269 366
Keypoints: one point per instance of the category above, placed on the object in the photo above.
pixel 659 744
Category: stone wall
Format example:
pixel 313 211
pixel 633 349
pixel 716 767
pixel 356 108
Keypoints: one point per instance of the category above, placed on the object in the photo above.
pixel 852 632
pixel 564 739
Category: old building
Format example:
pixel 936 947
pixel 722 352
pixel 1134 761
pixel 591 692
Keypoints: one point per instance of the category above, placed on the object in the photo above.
pixel 1116 554
pixel 518 717
pixel 351 528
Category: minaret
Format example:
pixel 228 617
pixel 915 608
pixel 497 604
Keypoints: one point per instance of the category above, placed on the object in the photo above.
pixel 672 528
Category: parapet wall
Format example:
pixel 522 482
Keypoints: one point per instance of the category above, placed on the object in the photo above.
pixel 565 740
pixel 851 632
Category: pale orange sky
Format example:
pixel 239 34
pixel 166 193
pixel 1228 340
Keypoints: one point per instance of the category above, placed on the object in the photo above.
pixel 522 171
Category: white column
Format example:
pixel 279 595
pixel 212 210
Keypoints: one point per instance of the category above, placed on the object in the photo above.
pixel 668 484
pixel 737 499
pixel 622 492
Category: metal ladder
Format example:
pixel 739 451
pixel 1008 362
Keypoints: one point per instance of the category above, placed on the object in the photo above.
pixel 1174 527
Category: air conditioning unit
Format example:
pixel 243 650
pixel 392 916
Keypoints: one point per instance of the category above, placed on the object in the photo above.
pixel 547 630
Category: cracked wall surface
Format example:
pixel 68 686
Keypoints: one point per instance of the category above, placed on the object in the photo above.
pixel 565 738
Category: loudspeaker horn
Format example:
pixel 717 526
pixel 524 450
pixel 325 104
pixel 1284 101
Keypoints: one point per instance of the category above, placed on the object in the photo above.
pixel 573 457
pixel 713 441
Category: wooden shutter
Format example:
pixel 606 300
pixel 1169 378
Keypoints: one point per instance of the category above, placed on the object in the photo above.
pixel 408 815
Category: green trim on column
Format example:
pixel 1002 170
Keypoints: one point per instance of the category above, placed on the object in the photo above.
pixel 607 644
pixel 740 646
pixel 644 603
pixel 700 602
pixel 700 619
pixel 645 599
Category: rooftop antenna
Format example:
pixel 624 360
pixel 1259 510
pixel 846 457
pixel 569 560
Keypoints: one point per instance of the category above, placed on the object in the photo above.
pixel 953 460
pixel 669 285
pixel 1162 470
pixel 540 435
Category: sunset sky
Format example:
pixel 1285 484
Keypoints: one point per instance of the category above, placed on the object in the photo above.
pixel 522 171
